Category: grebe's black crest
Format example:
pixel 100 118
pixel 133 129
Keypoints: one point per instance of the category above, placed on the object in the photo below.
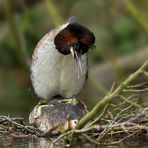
pixel 75 39
pixel 74 35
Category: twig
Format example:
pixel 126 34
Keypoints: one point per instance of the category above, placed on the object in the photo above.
pixel 112 88
pixel 116 142
pixel 132 9
pixel 135 90
pixel 145 73
pixel 61 136
pixel 139 86
pixel 90 139
pixel 6 120
pixel 107 99
pixel 129 101
pixel 116 128
pixel 106 130
pixel 100 116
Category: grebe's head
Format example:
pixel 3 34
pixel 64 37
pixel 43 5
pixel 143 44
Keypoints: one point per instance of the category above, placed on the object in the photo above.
pixel 74 39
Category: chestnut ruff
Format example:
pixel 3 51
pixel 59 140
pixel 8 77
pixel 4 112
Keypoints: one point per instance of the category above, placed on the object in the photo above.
pixel 76 36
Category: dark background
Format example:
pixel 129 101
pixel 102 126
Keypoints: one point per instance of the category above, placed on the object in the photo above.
pixel 120 27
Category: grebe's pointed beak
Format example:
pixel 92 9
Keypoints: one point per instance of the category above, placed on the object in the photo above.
pixel 77 58
pixel 72 52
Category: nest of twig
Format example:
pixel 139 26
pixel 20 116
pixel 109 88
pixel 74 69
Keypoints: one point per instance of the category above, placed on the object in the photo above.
pixel 16 128
pixel 121 114
pixel 120 127
pixel 112 129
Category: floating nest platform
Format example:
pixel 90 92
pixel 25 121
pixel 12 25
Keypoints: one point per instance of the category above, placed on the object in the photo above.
pixel 119 121
pixel 133 126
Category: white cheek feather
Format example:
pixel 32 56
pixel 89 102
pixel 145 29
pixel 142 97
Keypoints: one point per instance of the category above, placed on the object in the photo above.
pixel 71 85
pixel 53 73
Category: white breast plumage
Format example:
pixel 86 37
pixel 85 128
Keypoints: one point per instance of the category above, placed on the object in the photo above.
pixel 53 73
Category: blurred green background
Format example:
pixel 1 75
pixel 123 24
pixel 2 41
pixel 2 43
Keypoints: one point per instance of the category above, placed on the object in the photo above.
pixel 120 27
